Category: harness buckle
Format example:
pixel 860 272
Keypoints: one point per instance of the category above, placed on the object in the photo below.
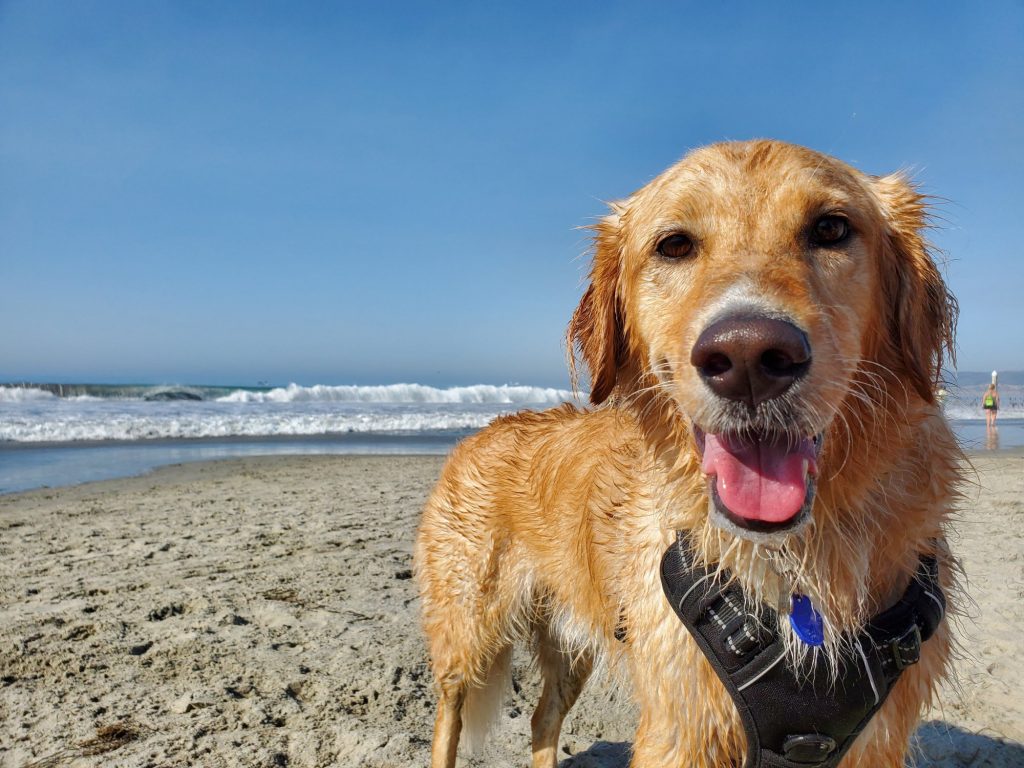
pixel 809 748
pixel 906 649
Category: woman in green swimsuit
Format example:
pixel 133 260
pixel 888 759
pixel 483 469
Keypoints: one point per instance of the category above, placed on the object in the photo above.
pixel 990 402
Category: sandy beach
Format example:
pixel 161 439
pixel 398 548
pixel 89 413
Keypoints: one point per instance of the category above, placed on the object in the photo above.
pixel 261 612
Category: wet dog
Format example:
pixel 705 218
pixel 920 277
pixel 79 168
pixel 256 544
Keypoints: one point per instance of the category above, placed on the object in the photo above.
pixel 764 330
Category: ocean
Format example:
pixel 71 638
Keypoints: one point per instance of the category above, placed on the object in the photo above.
pixel 63 434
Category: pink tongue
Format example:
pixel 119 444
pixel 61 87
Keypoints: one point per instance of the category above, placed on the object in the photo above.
pixel 763 481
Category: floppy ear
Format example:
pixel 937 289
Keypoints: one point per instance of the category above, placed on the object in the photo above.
pixel 923 313
pixel 596 329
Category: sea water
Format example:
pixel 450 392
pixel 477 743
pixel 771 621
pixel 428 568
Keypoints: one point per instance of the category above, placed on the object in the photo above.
pixel 59 434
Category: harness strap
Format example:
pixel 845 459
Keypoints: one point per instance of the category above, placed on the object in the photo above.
pixel 795 718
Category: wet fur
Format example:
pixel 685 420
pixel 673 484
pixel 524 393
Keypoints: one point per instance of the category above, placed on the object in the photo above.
pixel 548 528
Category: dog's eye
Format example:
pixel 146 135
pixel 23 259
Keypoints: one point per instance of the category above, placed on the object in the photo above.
pixel 830 230
pixel 675 247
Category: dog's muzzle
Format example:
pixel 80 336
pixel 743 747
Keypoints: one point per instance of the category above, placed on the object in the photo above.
pixel 759 481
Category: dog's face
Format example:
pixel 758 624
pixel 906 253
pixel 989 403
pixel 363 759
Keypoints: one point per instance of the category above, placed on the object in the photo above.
pixel 769 291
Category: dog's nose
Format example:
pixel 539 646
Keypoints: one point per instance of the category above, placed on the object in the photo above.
pixel 751 358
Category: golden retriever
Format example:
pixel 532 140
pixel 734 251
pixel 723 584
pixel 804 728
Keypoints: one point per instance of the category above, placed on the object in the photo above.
pixel 764 330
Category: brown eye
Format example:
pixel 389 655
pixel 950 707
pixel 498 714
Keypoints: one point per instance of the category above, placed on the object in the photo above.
pixel 675 246
pixel 830 230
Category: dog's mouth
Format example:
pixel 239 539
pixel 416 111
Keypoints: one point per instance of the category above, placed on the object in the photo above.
pixel 761 483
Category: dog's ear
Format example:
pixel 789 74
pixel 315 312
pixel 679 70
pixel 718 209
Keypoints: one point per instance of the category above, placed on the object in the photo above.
pixel 922 312
pixel 596 329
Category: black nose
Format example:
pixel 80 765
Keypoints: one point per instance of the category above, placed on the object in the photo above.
pixel 751 358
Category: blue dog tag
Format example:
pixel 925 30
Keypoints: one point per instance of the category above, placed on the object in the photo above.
pixel 806 621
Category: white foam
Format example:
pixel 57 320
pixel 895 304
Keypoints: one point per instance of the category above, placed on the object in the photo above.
pixel 404 393
pixel 37 415
pixel 24 395
pixel 207 424
pixel 289 411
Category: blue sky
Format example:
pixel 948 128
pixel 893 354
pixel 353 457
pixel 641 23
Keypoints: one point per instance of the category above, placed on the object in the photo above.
pixel 380 192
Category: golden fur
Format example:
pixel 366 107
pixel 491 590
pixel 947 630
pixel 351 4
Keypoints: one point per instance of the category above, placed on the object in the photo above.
pixel 549 527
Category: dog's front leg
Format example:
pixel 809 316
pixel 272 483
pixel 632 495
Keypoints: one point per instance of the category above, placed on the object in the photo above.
pixel 686 715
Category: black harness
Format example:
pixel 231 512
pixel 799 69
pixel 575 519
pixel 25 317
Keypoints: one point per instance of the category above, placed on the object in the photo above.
pixel 794 718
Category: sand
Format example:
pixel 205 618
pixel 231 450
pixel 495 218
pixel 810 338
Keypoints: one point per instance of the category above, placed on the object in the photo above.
pixel 260 612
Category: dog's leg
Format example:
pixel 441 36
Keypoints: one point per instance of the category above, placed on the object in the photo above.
pixel 447 724
pixel 564 678
pixel 470 656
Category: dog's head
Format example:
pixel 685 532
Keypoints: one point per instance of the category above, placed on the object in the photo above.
pixel 771 293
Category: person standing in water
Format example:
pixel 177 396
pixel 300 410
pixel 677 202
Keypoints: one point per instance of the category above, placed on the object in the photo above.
pixel 990 403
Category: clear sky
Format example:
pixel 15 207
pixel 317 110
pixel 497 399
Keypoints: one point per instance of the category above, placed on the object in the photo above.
pixel 371 192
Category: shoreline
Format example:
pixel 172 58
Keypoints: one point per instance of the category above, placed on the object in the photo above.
pixel 60 466
pixel 410 436
pixel 36 465
pixel 261 611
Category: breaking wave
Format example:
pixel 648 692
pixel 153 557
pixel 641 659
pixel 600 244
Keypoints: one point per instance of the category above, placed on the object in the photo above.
pixel 24 395
pixel 507 394
pixel 293 393
pixel 81 413
pixel 64 413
